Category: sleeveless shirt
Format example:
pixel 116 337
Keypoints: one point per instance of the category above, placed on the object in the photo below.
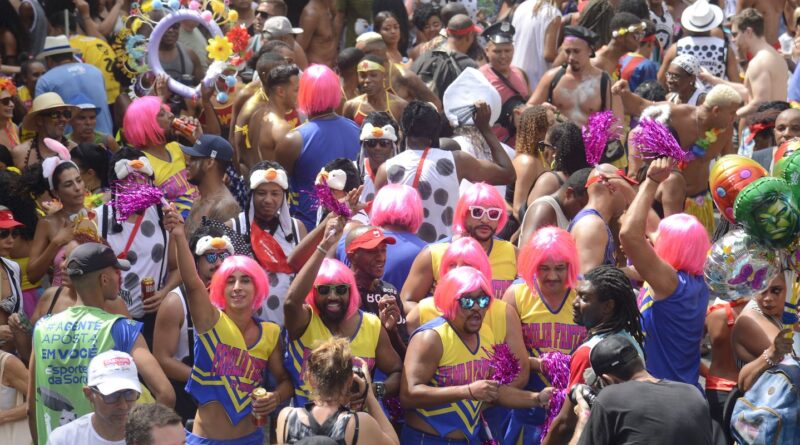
pixel 502 260
pixel 611 248
pixel 711 52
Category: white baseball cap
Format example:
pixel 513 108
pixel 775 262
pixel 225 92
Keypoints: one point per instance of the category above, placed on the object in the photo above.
pixel 113 371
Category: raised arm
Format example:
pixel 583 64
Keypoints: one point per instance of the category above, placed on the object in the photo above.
pixel 631 103
pixel 44 249
pixel 498 171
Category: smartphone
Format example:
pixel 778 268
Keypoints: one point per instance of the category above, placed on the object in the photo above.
pixel 354 387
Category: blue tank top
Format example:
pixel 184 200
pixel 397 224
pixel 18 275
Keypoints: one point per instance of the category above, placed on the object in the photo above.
pixel 323 141
pixel 611 247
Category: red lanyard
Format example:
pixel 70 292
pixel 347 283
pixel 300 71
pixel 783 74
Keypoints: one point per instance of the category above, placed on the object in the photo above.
pixel 369 170
pixel 124 254
pixel 419 167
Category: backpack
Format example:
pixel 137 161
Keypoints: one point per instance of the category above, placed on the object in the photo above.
pixel 438 69
pixel 768 412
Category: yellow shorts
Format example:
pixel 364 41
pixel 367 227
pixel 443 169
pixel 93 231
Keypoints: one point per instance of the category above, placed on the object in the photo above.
pixel 702 207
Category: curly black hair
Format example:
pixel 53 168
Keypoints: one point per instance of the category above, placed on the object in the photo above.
pixel 423 13
pixel 421 119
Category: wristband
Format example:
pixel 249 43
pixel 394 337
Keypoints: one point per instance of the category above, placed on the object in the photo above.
pixel 470 392
pixel 767 359
pixel 323 251
pixel 651 178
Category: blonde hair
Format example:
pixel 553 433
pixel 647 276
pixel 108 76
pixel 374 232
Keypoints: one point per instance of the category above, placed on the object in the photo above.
pixel 329 367
pixel 722 96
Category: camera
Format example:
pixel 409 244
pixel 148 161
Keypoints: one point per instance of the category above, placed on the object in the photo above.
pixel 357 371
pixel 589 394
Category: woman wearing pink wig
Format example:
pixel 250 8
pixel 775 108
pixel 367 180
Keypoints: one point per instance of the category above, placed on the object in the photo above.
pixel 674 296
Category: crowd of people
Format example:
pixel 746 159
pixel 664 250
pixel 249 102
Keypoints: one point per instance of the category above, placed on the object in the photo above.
pixel 399 221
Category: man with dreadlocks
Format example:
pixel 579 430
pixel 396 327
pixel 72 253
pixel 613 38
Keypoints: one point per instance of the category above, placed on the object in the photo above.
pixel 605 305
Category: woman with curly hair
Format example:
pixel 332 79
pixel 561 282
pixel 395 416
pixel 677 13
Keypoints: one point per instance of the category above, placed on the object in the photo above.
pixel 570 156
pixel 534 157
pixel 427 20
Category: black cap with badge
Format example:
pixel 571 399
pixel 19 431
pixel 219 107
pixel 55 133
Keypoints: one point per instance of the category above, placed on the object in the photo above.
pixel 500 32
pixel 91 257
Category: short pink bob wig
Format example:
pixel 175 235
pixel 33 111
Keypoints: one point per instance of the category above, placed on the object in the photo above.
pixel 683 243
pixel 548 244
pixel 247 266
pixel 457 282
pixel 397 205
pixel 478 194
pixel 319 90
pixel 335 272
pixel 140 126
pixel 465 251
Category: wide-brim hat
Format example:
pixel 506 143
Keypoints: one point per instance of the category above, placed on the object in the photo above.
pixel 701 16
pixel 55 45
pixel 44 102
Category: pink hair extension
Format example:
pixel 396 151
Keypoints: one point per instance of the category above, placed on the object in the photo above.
pixel 478 194
pixel 319 90
pixel 549 243
pixel 243 264
pixel 140 126
pixel 465 251
pixel 457 282
pixel 683 243
pixel 397 205
pixel 335 272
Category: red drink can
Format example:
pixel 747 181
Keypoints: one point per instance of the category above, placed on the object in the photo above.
pixel 183 128
pixel 148 288
pixel 259 393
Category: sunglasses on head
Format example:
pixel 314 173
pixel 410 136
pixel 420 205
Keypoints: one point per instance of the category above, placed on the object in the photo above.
pixel 212 257
pixel 493 213
pixel 339 289
pixel 6 100
pixel 469 302
pixel 129 395
pixel 372 143
pixel 56 114
pixel 5 233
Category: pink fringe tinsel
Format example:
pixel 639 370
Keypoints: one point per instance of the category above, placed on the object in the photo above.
pixel 326 199
pixel 555 366
pixel 599 129
pixel 654 140
pixel 504 362
pixel 133 197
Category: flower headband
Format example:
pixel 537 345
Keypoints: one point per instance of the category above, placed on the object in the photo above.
pixel 125 167
pixel 270 175
pixel 50 164
pixel 633 28
pixel 8 86
pixel 334 179
pixel 369 65
pixel 386 132
pixel 207 243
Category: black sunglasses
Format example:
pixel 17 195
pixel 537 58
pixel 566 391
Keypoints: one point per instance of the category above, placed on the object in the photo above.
pixel 67 114
pixel 6 100
pixel 469 302
pixel 129 395
pixel 5 233
pixel 372 143
pixel 214 256
pixel 325 289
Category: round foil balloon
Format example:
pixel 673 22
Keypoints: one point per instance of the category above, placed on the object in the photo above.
pixel 738 267
pixel 782 153
pixel 791 173
pixel 728 177
pixel 767 211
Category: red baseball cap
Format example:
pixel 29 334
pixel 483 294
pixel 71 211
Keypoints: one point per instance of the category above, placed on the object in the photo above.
pixel 370 240
pixel 7 220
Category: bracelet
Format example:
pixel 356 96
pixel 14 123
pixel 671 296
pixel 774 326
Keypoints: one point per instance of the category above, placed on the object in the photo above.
pixel 323 251
pixel 651 178
pixel 767 359
pixel 470 392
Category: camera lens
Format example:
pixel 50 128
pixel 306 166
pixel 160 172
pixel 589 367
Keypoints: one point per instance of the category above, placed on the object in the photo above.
pixel 589 394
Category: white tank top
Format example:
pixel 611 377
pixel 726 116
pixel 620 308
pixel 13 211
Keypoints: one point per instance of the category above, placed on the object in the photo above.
pixel 438 188
pixel 8 394
pixel 183 337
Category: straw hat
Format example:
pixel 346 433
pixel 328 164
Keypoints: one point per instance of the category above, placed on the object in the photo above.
pixel 55 45
pixel 44 102
pixel 701 16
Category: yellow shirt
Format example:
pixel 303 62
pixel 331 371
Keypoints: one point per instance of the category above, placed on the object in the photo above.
pixel 502 260
pixel 98 53
pixel 171 177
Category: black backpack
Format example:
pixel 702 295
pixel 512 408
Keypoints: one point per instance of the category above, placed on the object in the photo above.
pixel 438 69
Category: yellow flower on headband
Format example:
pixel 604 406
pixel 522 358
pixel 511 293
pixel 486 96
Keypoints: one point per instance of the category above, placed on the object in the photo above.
pixel 233 15
pixel 218 7
pixel 219 48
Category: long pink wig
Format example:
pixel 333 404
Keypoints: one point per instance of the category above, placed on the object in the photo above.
pixel 335 272
pixel 399 205
pixel 457 282
pixel 247 266
pixel 467 252
pixel 548 244
pixel 683 243
pixel 140 126
pixel 478 194
pixel 319 90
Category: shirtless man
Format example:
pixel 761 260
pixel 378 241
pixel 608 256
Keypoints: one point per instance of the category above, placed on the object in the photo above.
pixel 771 11
pixel 283 82
pixel 578 90
pixel 628 31
pixel 317 40
pixel 401 82
pixel 692 124
pixel 766 78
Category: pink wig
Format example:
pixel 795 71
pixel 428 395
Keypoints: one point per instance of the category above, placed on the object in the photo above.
pixel 683 243
pixel 319 90
pixel 243 264
pixel 399 205
pixel 468 252
pixel 548 243
pixel 139 124
pixel 478 194
pixel 335 272
pixel 457 282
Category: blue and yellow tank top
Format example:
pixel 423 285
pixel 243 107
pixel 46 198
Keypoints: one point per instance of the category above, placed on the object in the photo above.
pixel 495 317
pixel 458 366
pixel 502 260
pixel 363 344
pixel 226 370
pixel 545 329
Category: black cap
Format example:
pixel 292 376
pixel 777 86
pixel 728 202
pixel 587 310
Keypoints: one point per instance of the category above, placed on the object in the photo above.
pixel 585 34
pixel 210 146
pixel 611 354
pixel 500 32
pixel 91 257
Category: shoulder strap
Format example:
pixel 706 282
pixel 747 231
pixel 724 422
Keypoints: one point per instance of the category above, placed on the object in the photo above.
pixel 553 83
pixel 558 178
pixel 3 356
pixel 189 323
pixel 355 431
pixel 55 298
pixel 180 56
pixel 104 222
pixel 603 87
pixel 506 81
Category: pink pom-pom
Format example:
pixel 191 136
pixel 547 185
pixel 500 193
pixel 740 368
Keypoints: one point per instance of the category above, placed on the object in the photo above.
pixel 504 362
pixel 206 16
pixel 555 366
pixel 326 199
pixel 653 140
pixel 131 196
pixel 599 129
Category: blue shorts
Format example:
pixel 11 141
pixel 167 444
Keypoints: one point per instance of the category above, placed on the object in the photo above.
pixel 254 438
pixel 412 436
